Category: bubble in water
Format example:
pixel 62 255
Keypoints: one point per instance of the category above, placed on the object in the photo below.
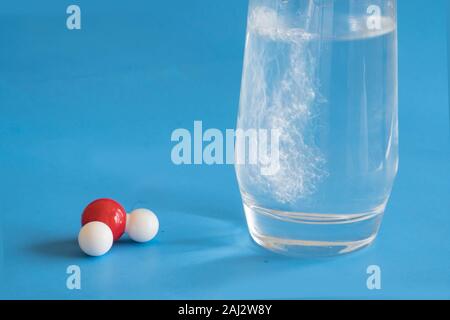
pixel 280 93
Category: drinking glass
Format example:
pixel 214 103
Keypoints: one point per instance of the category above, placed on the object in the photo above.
pixel 317 131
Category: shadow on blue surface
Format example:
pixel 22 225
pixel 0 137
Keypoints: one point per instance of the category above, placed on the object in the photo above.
pixel 64 249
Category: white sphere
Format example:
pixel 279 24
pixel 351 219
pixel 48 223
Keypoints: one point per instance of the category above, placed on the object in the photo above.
pixel 95 238
pixel 142 225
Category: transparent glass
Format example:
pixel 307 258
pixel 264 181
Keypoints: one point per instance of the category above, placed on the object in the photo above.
pixel 317 138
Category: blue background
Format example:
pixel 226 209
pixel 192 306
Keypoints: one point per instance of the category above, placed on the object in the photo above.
pixel 89 113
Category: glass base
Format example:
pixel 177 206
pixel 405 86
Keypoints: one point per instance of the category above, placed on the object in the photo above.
pixel 312 235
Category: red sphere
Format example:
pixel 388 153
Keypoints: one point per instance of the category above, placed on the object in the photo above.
pixel 109 212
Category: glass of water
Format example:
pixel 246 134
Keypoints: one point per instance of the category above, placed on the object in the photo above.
pixel 317 131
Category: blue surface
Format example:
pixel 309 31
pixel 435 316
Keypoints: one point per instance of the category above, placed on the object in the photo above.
pixel 89 113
